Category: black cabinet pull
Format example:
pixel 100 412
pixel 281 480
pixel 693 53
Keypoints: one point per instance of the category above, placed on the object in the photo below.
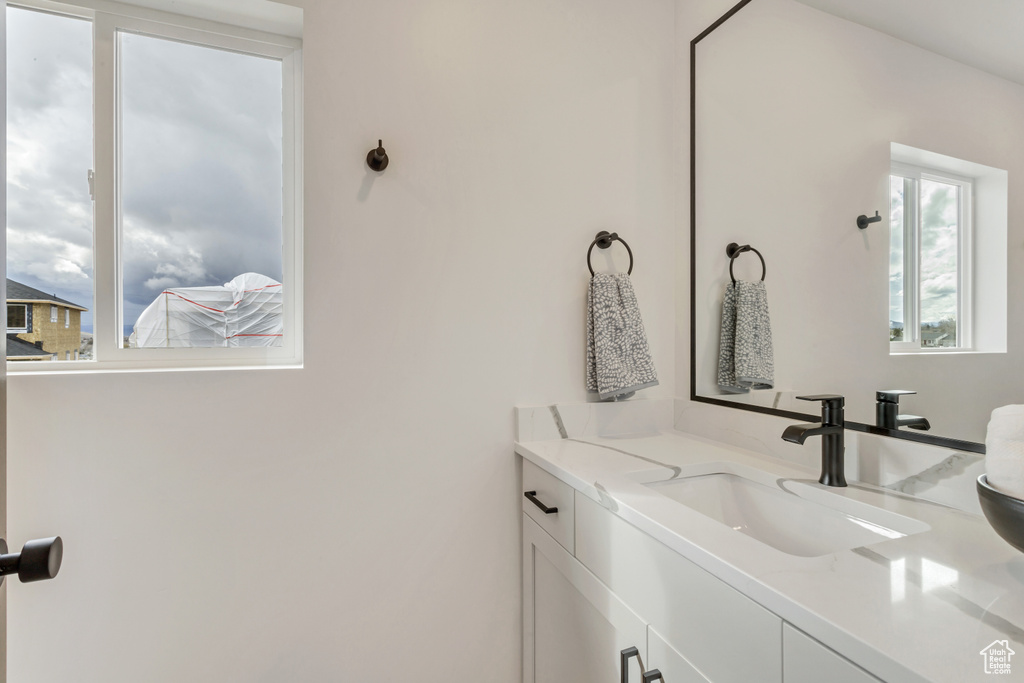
pixel 624 658
pixel 532 495
pixel 653 675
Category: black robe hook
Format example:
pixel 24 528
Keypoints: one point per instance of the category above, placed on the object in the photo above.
pixel 863 221
pixel 377 159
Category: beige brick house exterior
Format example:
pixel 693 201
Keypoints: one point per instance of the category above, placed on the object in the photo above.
pixel 46 322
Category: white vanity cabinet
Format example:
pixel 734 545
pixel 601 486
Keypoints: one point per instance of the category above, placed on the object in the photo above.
pixel 808 661
pixel 723 634
pixel 594 585
pixel 574 628
pixel 673 666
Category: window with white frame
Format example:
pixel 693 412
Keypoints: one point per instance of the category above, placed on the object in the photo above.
pixel 67 318
pixel 154 177
pixel 53 313
pixel 929 260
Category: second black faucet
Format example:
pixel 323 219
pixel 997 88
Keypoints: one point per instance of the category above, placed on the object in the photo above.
pixel 887 411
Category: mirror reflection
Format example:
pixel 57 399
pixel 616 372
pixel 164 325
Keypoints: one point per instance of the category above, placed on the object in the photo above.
pixel 871 161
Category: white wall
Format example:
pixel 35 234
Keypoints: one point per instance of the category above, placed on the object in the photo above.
pixel 357 519
pixel 796 112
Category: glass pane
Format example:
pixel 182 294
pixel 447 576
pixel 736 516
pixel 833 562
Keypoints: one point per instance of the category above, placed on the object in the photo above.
pixel 49 209
pixel 202 195
pixel 940 248
pixel 897 235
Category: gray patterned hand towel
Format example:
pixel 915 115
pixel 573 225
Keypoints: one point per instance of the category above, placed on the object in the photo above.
pixel 618 358
pixel 745 357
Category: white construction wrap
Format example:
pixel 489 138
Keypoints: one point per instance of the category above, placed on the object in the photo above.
pixel 244 312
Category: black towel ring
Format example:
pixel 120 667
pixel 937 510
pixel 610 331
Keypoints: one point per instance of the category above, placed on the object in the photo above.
pixel 604 240
pixel 734 250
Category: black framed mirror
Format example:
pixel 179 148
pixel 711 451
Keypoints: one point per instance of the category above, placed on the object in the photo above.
pixel 803 114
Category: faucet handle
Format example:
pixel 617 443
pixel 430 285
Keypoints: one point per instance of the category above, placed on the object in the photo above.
pixel 831 407
pixel 892 395
pixel 826 399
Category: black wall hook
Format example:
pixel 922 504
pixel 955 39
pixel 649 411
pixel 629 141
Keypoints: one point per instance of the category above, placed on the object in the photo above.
pixel 377 159
pixel 863 221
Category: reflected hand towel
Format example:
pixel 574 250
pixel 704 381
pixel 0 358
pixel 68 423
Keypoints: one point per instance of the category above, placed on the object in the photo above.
pixel 745 357
pixel 618 357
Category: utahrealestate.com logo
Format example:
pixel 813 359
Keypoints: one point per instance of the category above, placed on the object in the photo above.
pixel 997 657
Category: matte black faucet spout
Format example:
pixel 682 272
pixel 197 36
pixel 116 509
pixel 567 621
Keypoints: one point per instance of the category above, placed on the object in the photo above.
pixel 913 421
pixel 800 433
pixel 831 430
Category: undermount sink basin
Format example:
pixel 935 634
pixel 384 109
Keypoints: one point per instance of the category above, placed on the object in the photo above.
pixel 797 518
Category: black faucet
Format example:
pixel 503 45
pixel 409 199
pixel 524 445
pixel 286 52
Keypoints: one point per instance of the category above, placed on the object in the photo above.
pixel 830 429
pixel 887 411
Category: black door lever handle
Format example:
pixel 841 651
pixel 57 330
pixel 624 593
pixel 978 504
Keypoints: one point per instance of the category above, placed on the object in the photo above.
pixel 38 560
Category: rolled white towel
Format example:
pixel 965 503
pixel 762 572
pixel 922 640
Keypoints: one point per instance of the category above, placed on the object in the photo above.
pixel 1004 450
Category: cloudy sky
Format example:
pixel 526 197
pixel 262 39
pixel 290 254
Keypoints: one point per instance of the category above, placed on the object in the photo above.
pixel 201 149
pixel 939 251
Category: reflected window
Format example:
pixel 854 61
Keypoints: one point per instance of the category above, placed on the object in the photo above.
pixel 898 580
pixel 930 232
pixel 935 575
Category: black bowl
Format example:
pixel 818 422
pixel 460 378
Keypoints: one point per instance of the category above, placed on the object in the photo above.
pixel 1005 513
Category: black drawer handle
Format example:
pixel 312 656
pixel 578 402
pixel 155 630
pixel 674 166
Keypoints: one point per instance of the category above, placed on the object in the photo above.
pixel 532 495
pixel 624 658
pixel 653 675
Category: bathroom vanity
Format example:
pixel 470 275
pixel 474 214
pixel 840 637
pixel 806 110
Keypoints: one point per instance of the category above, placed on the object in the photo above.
pixel 723 565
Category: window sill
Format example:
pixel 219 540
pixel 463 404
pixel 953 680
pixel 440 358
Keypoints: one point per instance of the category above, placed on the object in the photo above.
pixel 939 352
pixel 86 367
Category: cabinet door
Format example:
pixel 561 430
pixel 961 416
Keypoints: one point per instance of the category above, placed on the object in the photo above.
pixel 672 665
pixel 805 660
pixel 574 628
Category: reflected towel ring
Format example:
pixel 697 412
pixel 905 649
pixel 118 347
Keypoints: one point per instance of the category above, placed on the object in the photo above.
pixel 734 250
pixel 604 240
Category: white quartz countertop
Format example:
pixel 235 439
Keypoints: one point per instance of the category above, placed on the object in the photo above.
pixel 917 608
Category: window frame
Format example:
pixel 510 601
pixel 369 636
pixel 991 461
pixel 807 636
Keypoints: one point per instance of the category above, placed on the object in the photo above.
pixel 913 175
pixel 109 19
